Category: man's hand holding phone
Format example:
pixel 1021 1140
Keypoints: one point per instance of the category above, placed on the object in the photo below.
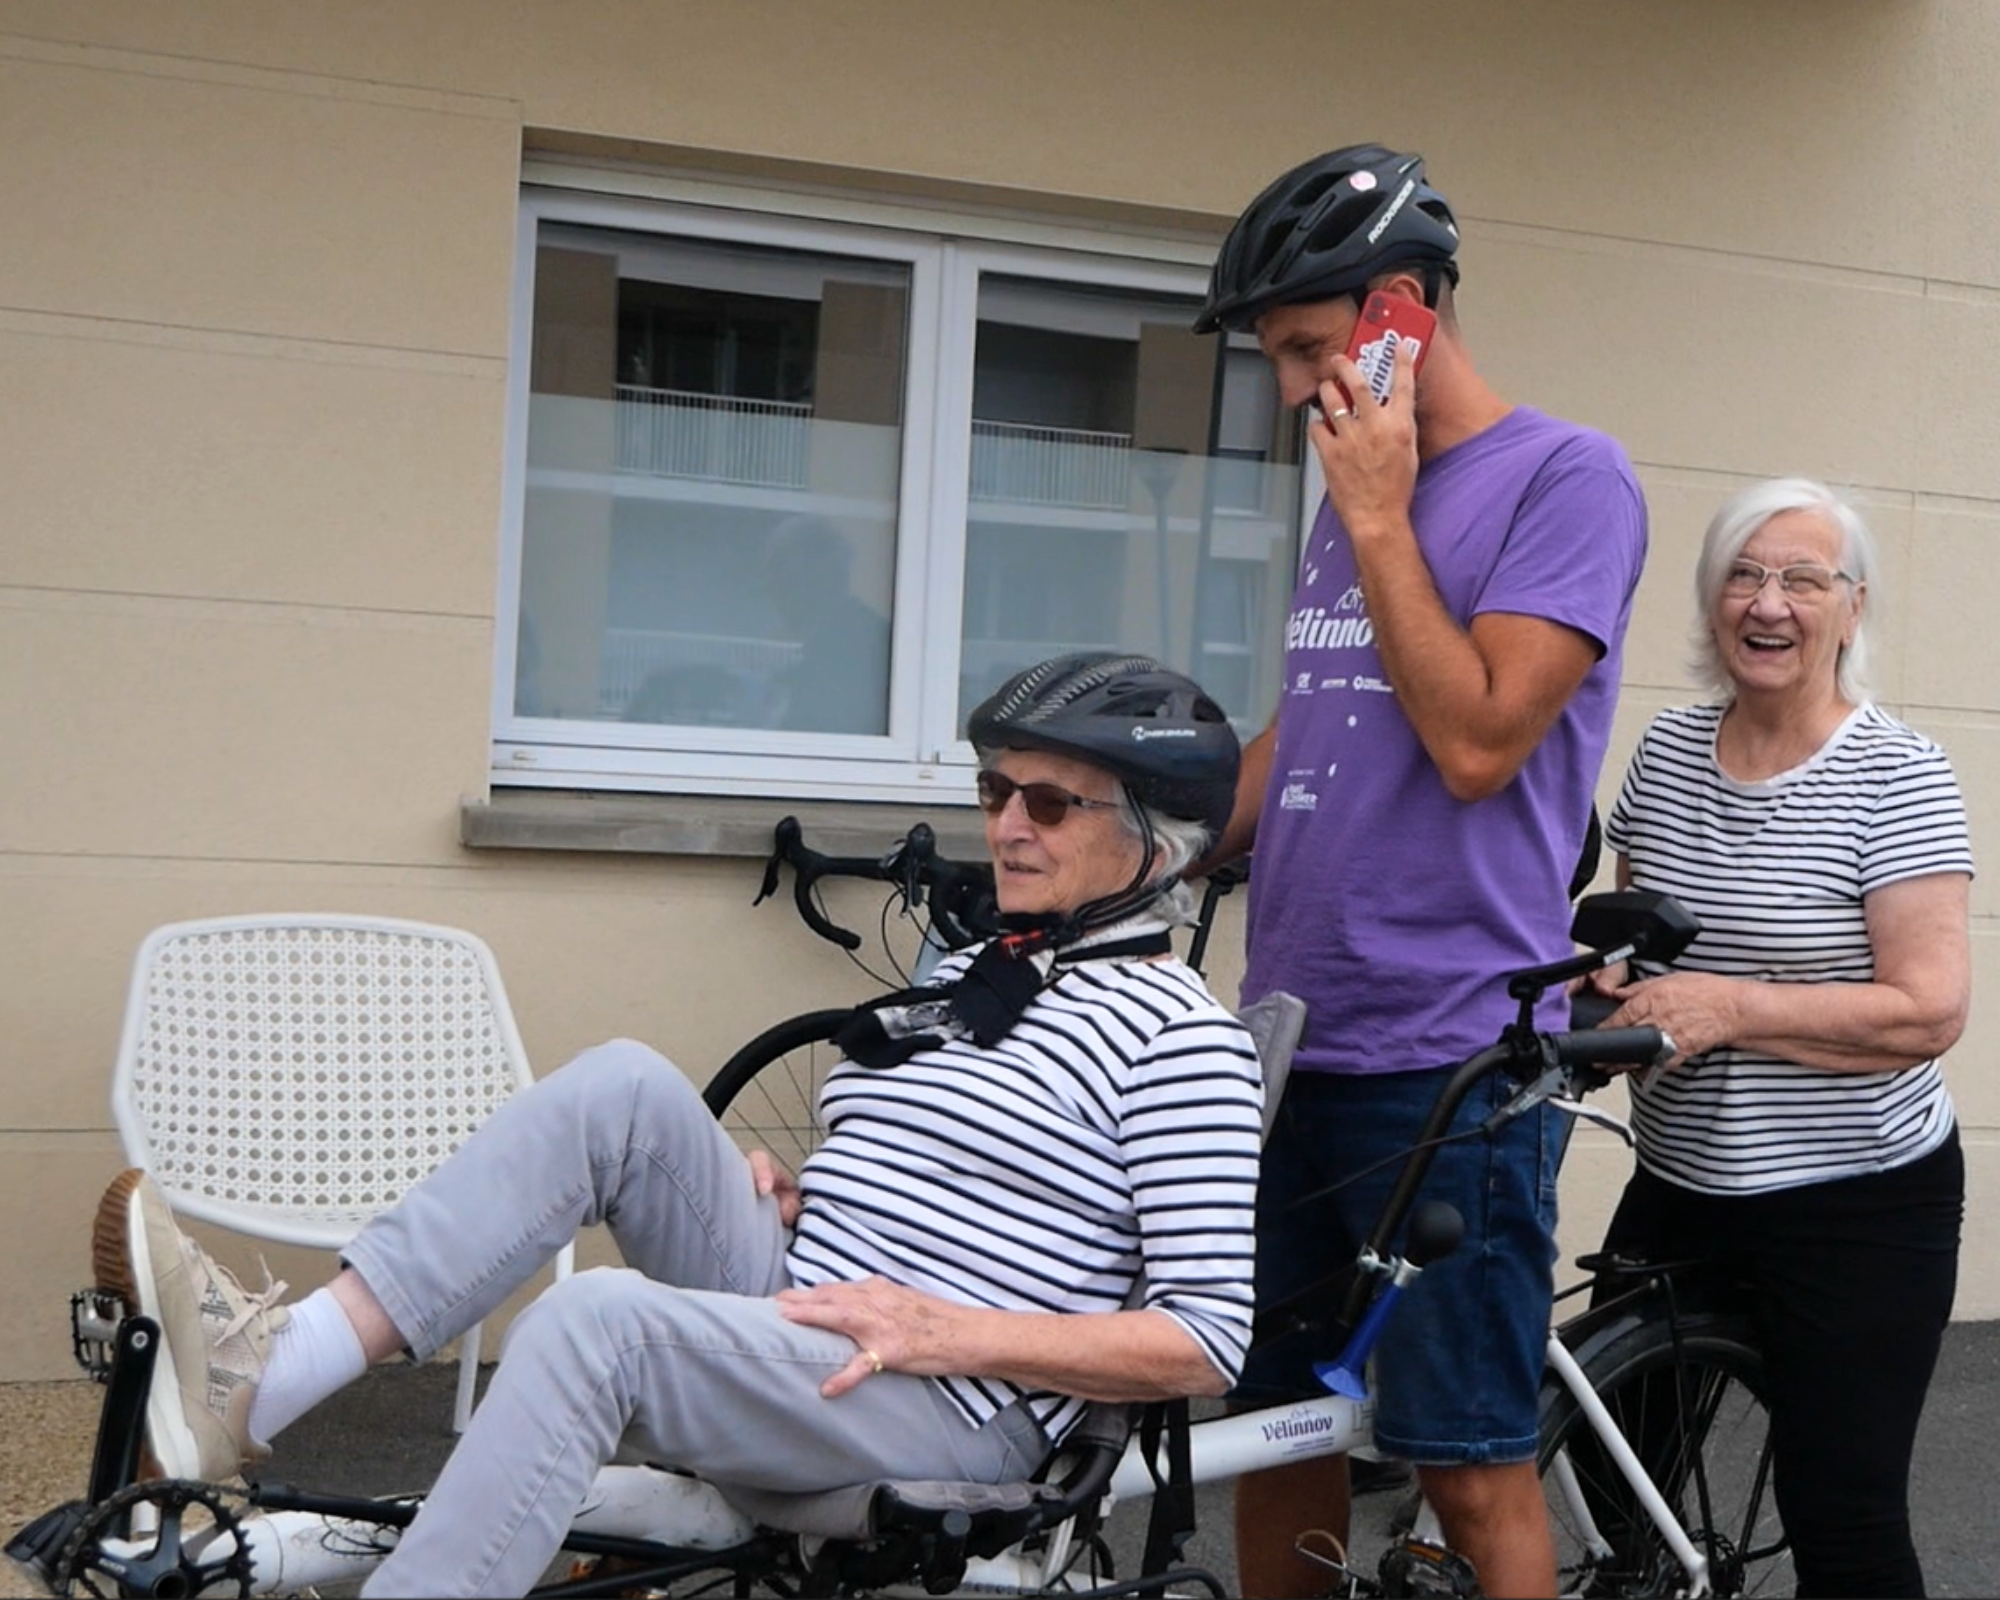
pixel 1367 448
pixel 1386 324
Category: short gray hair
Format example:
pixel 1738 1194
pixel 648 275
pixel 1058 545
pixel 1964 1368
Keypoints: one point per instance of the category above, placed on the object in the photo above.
pixel 1735 522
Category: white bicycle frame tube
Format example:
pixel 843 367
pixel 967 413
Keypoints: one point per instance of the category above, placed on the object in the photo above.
pixel 1571 1490
pixel 291 1550
pixel 1225 1447
pixel 1627 1461
pixel 667 1507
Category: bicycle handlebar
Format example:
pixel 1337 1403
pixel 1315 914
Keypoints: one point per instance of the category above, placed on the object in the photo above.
pixel 961 894
pixel 962 904
pixel 1553 1065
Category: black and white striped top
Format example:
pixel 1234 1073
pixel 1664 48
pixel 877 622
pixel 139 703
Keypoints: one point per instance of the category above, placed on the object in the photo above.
pixel 1777 872
pixel 1114 1130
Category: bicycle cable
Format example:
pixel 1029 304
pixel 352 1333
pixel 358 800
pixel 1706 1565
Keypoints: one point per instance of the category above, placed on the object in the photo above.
pixel 1421 1145
pixel 1479 1129
pixel 819 900
pixel 882 933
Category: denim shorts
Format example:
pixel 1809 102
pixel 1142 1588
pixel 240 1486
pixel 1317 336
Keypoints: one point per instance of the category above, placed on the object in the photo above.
pixel 1458 1370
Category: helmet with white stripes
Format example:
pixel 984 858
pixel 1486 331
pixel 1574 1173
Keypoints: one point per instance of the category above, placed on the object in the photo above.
pixel 1153 728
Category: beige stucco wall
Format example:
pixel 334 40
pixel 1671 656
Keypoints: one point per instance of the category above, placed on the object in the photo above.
pixel 254 298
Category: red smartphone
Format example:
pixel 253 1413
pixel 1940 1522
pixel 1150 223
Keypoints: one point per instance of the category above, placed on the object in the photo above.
pixel 1386 323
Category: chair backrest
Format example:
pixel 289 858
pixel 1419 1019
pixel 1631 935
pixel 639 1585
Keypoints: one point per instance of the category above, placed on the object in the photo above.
pixel 289 1076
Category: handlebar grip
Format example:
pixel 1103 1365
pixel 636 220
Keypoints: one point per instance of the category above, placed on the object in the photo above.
pixel 1589 1009
pixel 1231 873
pixel 1630 1047
pixel 819 923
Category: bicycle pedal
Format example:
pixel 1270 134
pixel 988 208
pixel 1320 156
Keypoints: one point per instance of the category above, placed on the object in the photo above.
pixel 40 1544
pixel 1418 1567
pixel 94 1315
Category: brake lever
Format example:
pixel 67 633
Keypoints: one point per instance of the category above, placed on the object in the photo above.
pixel 1546 1085
pixel 918 846
pixel 1584 1111
pixel 784 838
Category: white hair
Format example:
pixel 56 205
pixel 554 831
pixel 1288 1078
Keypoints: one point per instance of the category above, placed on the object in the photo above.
pixel 1178 842
pixel 1735 522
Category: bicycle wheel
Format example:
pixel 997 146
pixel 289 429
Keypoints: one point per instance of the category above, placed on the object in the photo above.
pixel 767 1094
pixel 1699 1425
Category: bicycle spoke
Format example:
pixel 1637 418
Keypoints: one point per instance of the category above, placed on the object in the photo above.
pixel 767 1095
pixel 1702 1434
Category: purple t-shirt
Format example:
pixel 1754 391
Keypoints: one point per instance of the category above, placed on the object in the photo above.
pixel 1393 910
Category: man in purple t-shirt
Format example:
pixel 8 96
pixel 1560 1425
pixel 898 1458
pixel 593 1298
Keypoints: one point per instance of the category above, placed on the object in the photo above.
pixel 1451 665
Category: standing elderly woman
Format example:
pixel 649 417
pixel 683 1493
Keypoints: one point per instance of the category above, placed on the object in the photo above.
pixel 1804 1137
pixel 935 1296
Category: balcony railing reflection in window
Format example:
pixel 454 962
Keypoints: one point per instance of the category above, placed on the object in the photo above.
pixel 677 433
pixel 722 678
pixel 1025 464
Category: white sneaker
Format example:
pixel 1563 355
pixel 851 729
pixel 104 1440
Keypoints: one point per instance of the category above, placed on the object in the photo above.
pixel 215 1336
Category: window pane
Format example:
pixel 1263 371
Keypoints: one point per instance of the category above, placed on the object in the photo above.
pixel 1125 493
pixel 714 448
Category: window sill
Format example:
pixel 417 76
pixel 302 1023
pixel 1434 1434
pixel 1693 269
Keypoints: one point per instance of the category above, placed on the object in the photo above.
pixel 702 825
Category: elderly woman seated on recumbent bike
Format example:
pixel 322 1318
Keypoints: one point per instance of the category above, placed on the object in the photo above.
pixel 937 1293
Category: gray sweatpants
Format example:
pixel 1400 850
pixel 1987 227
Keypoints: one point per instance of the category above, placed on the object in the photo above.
pixel 683 1347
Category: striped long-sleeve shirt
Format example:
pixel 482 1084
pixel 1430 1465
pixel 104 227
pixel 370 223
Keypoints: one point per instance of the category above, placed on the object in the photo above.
pixel 1777 871
pixel 1112 1133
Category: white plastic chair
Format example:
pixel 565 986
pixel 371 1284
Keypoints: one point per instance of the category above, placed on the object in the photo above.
pixel 289 1076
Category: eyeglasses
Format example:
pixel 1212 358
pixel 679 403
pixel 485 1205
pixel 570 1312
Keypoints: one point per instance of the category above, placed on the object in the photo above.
pixel 1047 804
pixel 1802 580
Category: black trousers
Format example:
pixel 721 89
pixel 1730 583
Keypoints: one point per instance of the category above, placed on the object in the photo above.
pixel 1850 1284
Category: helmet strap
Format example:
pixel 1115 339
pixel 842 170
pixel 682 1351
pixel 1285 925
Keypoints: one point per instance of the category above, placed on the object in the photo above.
pixel 1028 933
pixel 992 993
pixel 1141 892
pixel 1434 276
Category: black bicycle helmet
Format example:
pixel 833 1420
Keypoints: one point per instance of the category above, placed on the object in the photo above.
pixel 1325 229
pixel 1154 728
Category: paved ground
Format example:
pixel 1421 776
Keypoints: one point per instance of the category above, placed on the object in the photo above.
pixel 391 1432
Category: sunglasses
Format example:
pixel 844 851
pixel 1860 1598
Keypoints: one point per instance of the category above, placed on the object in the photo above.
pixel 1047 804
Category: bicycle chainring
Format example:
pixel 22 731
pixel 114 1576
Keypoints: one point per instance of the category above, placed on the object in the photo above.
pixel 176 1557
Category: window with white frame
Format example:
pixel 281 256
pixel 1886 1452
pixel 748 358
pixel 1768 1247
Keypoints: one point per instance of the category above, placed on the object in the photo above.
pixel 787 497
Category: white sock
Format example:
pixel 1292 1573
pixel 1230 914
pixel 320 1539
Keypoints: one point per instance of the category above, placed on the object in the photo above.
pixel 313 1355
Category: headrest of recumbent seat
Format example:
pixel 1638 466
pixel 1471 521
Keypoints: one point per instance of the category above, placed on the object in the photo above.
pixel 1275 1023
